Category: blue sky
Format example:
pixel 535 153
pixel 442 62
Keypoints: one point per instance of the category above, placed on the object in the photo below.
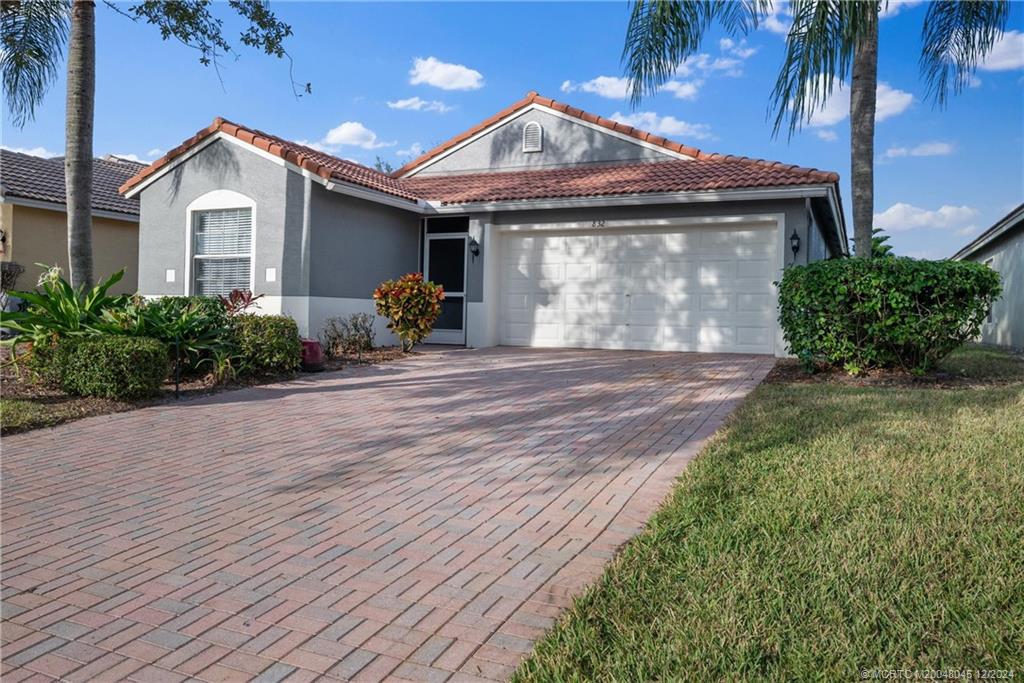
pixel 389 79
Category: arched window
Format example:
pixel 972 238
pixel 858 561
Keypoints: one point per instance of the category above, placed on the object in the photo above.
pixel 533 137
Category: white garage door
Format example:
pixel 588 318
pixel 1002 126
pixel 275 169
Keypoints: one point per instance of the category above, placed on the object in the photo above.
pixel 694 289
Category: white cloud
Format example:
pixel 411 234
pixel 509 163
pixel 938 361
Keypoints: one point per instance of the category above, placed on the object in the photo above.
pixel 964 232
pixel 444 75
pixel 739 49
pixel 684 90
pixel 133 157
pixel 415 149
pixel 889 102
pixel 663 125
pixel 973 82
pixel 925 149
pixel 778 20
pixel 827 135
pixel 155 152
pixel 32 151
pixel 1007 53
pixel 902 216
pixel 420 104
pixel 695 70
pixel 348 134
pixel 894 7
pixel 612 87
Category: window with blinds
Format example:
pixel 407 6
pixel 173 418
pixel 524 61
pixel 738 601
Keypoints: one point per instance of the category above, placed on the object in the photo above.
pixel 221 251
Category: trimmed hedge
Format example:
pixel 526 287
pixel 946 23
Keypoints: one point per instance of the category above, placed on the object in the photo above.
pixel 267 343
pixel 890 313
pixel 116 367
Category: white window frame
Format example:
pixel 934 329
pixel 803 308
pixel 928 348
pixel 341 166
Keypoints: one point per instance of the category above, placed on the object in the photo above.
pixel 540 137
pixel 213 201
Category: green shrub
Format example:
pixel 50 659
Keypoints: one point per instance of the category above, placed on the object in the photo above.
pixel 199 325
pixel 48 359
pixel 411 305
pixel 115 367
pixel 889 313
pixel 353 334
pixel 266 343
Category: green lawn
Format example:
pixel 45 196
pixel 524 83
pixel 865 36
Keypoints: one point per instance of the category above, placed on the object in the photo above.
pixel 828 529
pixel 17 416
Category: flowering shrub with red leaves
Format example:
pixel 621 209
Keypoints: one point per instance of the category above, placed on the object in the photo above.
pixel 239 300
pixel 411 306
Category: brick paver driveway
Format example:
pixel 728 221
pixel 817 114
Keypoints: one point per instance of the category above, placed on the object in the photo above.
pixel 425 519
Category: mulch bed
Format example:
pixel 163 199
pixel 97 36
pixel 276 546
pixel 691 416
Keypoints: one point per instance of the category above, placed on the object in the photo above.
pixel 15 384
pixel 790 371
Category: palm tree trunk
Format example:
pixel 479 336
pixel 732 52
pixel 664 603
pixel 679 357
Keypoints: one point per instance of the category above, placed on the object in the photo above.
pixel 78 132
pixel 863 92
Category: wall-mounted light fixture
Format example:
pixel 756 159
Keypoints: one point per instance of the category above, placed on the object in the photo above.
pixel 474 248
pixel 794 242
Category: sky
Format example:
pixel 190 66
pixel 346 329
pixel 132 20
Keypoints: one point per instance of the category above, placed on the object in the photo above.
pixel 392 79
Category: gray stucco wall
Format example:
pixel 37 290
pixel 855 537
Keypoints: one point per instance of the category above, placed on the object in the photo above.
pixel 356 244
pixel 1007 326
pixel 222 166
pixel 565 143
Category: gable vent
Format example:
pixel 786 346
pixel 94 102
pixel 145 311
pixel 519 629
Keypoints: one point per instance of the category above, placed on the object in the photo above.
pixel 533 137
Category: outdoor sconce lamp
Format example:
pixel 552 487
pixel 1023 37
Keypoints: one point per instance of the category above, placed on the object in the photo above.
pixel 474 248
pixel 794 242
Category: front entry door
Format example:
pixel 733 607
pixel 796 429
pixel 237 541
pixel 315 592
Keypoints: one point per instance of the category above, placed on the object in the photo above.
pixel 445 264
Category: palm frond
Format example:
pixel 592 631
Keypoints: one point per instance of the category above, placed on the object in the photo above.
pixel 819 53
pixel 956 37
pixel 662 34
pixel 32 38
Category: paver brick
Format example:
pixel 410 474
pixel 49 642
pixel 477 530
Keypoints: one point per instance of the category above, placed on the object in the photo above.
pixel 422 520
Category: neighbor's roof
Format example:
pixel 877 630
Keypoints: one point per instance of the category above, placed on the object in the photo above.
pixel 41 179
pixel 698 171
pixel 322 164
pixel 1013 221
pixel 613 179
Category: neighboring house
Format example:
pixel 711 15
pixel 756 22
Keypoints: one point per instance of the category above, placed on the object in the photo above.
pixel 1001 247
pixel 33 217
pixel 546 225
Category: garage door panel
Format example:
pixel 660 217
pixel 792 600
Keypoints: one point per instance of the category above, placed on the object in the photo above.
pixel 579 271
pixel 681 242
pixel 686 290
pixel 712 274
pixel 757 303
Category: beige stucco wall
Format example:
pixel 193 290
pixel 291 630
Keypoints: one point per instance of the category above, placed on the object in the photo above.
pixel 41 236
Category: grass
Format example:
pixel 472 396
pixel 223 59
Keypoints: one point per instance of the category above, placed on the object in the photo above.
pixel 17 415
pixel 984 363
pixel 827 530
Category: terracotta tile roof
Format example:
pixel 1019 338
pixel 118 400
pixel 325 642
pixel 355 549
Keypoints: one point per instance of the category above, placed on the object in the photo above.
pixel 621 179
pixel 31 177
pixel 322 164
pixel 533 98
pixel 698 171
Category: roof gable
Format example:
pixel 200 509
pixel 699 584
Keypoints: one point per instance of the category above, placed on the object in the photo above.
pixel 564 141
pixel 326 166
pixel 533 101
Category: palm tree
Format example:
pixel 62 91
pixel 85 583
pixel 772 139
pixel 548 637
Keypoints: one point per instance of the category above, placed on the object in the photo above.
pixel 78 121
pixel 32 38
pixel 828 41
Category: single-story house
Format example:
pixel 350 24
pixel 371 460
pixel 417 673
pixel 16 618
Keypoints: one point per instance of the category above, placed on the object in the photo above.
pixel 546 225
pixel 33 217
pixel 1001 247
